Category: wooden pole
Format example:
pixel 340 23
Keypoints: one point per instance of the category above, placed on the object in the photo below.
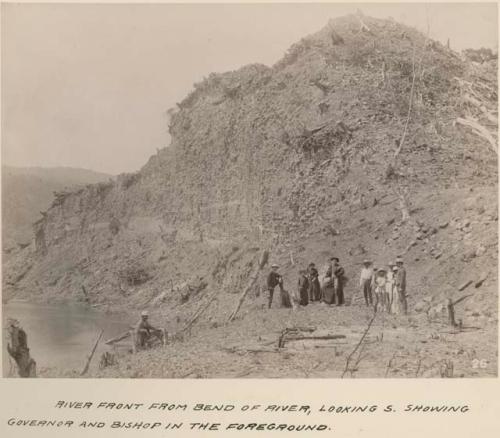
pixel 134 341
pixel 262 262
pixel 91 355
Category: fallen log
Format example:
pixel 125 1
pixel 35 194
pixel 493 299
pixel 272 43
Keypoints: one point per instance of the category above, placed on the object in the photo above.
pixel 199 312
pixel 300 334
pixel 118 338
pixel 480 131
pixel 461 299
pixel 481 280
pixel 305 337
pixel 238 350
pixel 464 285
pixel 91 355
pixel 481 106
pixel 262 262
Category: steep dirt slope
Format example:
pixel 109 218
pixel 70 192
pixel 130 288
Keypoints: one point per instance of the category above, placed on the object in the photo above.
pixel 293 158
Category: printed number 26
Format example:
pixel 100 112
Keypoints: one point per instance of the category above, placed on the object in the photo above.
pixel 476 363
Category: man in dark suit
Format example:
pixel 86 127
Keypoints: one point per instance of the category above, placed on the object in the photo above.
pixel 336 273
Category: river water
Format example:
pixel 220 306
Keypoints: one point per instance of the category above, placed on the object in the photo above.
pixel 62 336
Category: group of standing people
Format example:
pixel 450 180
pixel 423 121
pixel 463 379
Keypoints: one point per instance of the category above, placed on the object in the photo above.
pixel 329 290
pixel 385 288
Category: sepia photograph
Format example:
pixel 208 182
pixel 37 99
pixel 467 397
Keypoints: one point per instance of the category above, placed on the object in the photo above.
pixel 243 191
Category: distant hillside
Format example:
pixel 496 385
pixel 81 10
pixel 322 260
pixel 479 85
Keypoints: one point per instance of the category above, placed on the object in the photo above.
pixel 28 191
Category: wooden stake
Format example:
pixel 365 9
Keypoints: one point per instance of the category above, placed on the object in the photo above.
pixel 451 313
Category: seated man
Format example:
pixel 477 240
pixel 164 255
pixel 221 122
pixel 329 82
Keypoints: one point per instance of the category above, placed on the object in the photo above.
pixel 145 332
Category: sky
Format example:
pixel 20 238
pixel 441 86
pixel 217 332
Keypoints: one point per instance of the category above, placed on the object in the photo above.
pixel 89 85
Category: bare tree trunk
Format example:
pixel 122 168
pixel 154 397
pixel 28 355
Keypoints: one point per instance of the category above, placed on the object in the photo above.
pixel 253 278
pixel 19 351
pixel 410 105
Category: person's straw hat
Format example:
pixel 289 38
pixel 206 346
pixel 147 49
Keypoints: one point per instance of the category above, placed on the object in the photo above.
pixel 144 313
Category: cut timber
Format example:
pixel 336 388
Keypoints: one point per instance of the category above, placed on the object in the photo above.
pixel 479 105
pixel 481 280
pixel 262 262
pixel 461 299
pixel 119 338
pixel 306 334
pixel 311 337
pixel 91 355
pixel 160 298
pixel 241 349
pixel 464 285
pixel 480 131
pixel 200 311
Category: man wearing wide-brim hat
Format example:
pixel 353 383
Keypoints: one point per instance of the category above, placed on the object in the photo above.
pixel 365 282
pixel 275 279
pixel 145 332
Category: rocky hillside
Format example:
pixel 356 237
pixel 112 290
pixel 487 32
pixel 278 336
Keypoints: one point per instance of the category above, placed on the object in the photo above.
pixel 304 158
pixel 28 191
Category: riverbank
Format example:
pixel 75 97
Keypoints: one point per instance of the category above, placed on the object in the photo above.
pixel 60 337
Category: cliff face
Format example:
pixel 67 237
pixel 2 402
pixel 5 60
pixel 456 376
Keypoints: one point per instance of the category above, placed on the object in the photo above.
pixel 27 191
pixel 259 157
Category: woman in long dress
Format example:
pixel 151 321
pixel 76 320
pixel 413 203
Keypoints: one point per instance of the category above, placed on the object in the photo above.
pixel 395 294
pixel 328 290
pixel 389 285
pixel 380 280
